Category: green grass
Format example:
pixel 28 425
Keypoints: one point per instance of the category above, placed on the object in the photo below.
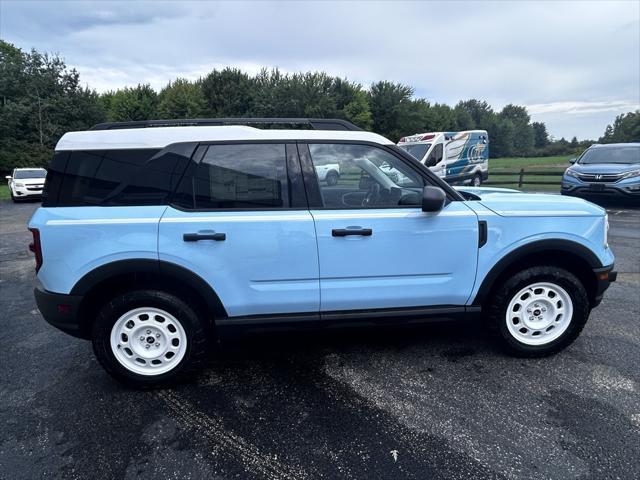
pixel 548 164
pixel 4 192
pixel 542 163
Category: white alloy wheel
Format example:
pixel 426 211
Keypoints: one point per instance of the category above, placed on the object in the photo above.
pixel 148 341
pixel 539 313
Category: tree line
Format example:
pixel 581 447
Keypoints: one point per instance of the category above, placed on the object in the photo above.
pixel 41 99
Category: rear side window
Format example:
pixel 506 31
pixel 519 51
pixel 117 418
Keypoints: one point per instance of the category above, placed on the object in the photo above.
pixel 241 176
pixel 116 177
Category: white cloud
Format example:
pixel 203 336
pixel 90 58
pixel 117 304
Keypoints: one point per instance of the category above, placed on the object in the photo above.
pixel 563 59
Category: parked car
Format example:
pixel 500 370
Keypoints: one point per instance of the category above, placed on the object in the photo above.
pixel 457 157
pixel 329 173
pixel 26 183
pixel 151 242
pixel 611 170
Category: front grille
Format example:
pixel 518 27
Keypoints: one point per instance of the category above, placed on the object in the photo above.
pixel 34 188
pixel 600 177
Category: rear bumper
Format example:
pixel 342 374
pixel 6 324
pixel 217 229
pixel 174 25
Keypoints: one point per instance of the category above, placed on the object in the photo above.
pixel 605 276
pixel 60 310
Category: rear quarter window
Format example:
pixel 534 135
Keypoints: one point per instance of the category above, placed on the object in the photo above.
pixel 115 177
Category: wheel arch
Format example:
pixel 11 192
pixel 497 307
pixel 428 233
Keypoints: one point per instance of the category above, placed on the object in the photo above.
pixel 104 281
pixel 567 254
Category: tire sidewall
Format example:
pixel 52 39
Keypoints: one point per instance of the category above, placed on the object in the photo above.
pixel 557 276
pixel 113 310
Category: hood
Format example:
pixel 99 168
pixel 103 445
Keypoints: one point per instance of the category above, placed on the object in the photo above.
pixel 605 167
pixel 30 181
pixel 479 191
pixel 517 204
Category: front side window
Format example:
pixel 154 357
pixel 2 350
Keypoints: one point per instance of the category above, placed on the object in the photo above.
pixel 237 177
pixel 435 156
pixel 368 177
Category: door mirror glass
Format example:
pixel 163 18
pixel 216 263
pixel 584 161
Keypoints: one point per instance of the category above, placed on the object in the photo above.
pixel 433 199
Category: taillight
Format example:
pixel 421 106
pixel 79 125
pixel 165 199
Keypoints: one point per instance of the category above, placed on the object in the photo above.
pixel 36 248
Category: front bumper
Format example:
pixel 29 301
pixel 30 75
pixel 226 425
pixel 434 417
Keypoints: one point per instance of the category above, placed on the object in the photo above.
pixel 26 192
pixel 577 188
pixel 60 310
pixel 605 276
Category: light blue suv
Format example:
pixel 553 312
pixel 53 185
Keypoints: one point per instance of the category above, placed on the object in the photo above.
pixel 155 238
pixel 605 171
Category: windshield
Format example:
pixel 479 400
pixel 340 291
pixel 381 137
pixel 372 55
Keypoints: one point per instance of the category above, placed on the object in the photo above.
pixel 418 150
pixel 624 155
pixel 34 173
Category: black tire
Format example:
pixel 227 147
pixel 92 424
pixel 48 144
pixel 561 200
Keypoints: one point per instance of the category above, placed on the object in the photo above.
pixel 332 178
pixel 511 286
pixel 195 327
pixel 477 180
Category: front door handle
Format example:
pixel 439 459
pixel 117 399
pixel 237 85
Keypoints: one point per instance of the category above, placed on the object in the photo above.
pixel 194 237
pixel 344 232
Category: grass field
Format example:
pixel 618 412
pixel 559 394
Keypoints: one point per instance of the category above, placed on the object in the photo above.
pixel 548 164
pixel 4 192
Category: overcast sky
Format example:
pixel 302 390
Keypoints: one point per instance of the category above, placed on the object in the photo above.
pixel 575 65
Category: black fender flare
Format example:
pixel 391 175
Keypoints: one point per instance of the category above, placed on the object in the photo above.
pixel 539 246
pixel 156 267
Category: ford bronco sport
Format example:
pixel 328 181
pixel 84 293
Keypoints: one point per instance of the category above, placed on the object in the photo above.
pixel 155 237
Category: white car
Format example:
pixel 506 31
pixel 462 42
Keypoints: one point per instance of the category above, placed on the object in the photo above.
pixel 26 183
pixel 329 173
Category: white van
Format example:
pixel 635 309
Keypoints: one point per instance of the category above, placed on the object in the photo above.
pixel 457 157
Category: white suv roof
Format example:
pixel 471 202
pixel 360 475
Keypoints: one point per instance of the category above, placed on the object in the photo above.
pixel 160 137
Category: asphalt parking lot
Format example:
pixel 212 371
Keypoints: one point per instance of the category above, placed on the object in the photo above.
pixel 433 402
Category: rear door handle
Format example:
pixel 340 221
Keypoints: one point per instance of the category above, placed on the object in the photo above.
pixel 344 232
pixel 194 237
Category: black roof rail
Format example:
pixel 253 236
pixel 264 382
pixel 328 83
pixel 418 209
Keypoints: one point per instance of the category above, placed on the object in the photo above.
pixel 314 123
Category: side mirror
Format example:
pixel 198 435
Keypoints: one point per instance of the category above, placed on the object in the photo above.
pixel 573 160
pixel 431 162
pixel 433 199
pixel 8 177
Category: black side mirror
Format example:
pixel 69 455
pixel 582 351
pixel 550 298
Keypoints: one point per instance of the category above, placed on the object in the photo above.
pixel 573 160
pixel 433 199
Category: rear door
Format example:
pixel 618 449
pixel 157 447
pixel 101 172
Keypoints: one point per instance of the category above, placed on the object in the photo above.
pixel 239 219
pixel 377 248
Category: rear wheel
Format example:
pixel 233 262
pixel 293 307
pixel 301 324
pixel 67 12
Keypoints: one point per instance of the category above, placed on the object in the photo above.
pixel 539 311
pixel 148 337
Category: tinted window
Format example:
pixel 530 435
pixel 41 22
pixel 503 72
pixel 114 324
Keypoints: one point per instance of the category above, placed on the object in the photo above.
pixel 119 177
pixel 237 176
pixel 369 177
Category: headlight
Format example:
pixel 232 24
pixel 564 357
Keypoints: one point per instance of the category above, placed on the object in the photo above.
pixel 571 173
pixel 632 173
pixel 19 185
pixel 606 231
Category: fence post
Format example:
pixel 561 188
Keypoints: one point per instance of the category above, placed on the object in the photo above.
pixel 520 178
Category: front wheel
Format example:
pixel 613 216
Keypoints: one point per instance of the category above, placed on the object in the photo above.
pixel 149 337
pixel 539 311
pixel 332 178
pixel 477 180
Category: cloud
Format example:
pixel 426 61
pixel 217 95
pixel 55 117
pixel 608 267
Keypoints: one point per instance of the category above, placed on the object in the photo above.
pixel 540 54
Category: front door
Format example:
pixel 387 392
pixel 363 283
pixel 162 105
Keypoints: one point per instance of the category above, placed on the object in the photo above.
pixel 377 249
